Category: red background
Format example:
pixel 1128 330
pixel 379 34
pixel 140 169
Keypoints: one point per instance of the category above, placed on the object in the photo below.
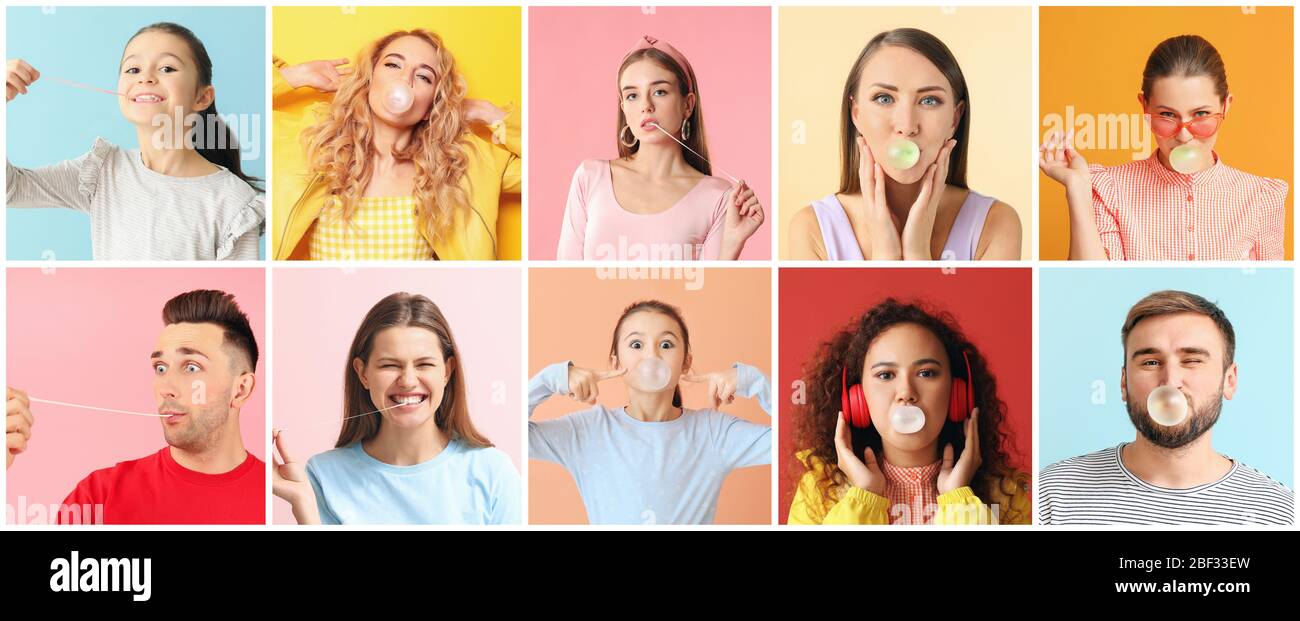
pixel 992 307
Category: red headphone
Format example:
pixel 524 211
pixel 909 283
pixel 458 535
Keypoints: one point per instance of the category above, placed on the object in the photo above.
pixel 854 403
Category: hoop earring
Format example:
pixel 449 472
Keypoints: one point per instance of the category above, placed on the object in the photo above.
pixel 686 129
pixel 620 137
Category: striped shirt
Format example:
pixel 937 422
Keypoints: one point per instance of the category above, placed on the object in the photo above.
pixel 137 213
pixel 1147 212
pixel 1098 489
pixel 382 228
pixel 913 493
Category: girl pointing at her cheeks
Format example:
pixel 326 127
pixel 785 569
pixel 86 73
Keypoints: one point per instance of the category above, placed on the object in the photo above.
pixel 653 460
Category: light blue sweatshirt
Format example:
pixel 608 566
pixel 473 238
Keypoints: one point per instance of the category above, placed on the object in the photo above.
pixel 635 472
pixel 461 485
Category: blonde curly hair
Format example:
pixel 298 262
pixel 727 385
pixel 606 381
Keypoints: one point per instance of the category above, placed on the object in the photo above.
pixel 340 146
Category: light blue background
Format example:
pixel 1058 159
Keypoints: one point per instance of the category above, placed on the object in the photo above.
pixel 54 122
pixel 1081 312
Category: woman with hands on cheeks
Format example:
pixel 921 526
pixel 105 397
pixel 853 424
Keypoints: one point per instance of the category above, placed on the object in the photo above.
pixel 905 127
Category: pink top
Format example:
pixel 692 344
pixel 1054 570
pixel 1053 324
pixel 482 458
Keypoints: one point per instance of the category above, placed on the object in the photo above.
pixel 913 492
pixel 1147 212
pixel 595 226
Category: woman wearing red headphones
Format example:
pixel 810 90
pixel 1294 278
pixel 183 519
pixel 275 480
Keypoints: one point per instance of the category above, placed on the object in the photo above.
pixel 903 425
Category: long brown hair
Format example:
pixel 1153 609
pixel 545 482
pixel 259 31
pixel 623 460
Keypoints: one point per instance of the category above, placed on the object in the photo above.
pixel 663 308
pixel 684 77
pixel 936 52
pixel 394 311
pixel 815 420
pixel 340 146
pixel 1187 56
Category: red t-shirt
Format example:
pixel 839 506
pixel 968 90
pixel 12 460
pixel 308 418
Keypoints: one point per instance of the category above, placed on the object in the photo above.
pixel 157 490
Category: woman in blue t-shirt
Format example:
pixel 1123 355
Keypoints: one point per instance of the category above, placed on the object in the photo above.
pixel 408 452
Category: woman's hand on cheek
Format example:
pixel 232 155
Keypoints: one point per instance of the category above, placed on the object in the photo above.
pixel 874 225
pixel 919 227
pixel 862 473
pixel 722 385
pixel 584 384
pixel 322 75
pixel 957 475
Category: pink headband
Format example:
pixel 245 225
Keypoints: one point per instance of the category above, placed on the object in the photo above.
pixel 663 46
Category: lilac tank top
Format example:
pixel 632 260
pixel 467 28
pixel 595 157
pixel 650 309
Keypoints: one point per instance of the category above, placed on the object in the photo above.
pixel 841 245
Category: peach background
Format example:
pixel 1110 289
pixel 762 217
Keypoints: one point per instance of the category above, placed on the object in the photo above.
pixel 318 310
pixel 573 59
pixel 730 320
pixel 994 47
pixel 1092 58
pixel 83 335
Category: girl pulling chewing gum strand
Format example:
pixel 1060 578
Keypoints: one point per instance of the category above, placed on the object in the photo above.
pixel 182 194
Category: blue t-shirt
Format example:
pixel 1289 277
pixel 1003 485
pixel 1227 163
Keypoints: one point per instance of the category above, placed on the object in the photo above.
pixel 631 471
pixel 461 485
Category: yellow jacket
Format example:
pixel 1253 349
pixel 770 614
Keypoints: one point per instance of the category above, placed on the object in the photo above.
pixel 858 506
pixel 299 196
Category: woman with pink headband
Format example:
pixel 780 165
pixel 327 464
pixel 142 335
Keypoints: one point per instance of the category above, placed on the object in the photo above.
pixel 658 200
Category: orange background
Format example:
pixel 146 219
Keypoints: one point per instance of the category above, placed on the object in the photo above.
pixel 1092 58
pixel 571 316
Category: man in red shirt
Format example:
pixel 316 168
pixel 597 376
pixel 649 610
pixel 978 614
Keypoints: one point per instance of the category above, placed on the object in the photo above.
pixel 204 364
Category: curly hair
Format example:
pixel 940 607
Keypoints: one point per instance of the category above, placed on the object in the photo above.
pixel 816 419
pixel 340 146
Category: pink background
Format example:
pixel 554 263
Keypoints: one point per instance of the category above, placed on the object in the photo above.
pixel 318 310
pixel 83 335
pixel 573 59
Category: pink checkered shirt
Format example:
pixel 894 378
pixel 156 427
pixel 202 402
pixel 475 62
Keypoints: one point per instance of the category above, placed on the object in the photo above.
pixel 1147 212
pixel 913 493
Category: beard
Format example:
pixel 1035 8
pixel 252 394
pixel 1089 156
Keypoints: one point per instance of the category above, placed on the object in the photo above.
pixel 201 427
pixel 1202 419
